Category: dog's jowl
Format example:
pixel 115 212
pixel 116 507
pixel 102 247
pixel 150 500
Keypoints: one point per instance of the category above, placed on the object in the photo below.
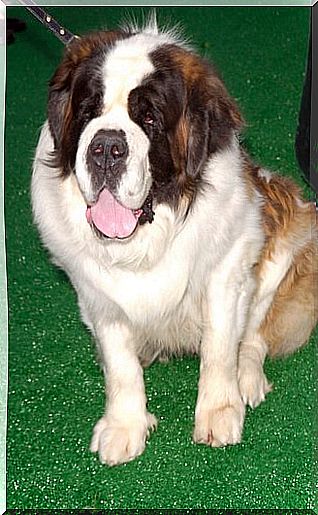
pixel 173 239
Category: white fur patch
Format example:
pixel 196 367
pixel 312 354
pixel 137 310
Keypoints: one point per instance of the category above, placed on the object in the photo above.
pixel 265 174
pixel 126 65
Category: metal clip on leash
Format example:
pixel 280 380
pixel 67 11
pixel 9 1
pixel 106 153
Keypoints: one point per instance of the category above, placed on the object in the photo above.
pixel 64 35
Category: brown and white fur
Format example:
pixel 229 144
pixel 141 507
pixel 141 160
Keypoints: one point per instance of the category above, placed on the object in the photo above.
pixel 227 268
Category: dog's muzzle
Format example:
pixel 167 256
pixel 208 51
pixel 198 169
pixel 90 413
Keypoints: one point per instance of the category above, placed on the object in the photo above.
pixel 107 161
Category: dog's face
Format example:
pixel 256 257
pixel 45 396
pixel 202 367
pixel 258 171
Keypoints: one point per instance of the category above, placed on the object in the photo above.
pixel 136 116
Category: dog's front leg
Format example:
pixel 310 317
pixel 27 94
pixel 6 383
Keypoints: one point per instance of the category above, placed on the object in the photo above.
pixel 120 435
pixel 220 410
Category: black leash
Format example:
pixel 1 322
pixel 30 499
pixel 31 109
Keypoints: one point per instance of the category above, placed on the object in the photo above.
pixel 64 35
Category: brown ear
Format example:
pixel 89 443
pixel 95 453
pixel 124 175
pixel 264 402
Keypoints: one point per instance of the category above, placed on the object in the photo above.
pixel 209 119
pixel 59 101
pixel 224 116
pixel 60 86
pixel 213 118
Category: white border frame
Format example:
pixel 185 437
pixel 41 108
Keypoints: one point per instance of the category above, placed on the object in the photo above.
pixel 3 277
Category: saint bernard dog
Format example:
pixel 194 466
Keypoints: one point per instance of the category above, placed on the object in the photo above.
pixel 174 241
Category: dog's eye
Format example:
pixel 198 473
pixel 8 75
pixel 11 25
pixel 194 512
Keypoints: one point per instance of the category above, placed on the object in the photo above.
pixel 148 119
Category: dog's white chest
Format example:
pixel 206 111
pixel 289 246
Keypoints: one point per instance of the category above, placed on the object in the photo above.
pixel 143 296
pixel 160 304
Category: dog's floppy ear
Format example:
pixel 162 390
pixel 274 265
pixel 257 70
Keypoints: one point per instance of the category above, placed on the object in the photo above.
pixel 60 87
pixel 212 118
pixel 209 120
pixel 59 93
pixel 224 116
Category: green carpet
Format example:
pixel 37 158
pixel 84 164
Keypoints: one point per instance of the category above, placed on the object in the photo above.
pixel 55 384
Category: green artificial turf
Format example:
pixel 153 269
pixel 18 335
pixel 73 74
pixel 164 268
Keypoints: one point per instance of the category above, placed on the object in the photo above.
pixel 55 385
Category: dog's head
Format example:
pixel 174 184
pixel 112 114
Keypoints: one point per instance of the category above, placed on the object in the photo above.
pixel 136 115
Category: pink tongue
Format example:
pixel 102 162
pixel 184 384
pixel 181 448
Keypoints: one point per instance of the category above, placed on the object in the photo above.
pixel 111 218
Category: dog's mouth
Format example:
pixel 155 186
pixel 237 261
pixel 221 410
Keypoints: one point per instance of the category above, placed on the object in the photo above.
pixel 111 219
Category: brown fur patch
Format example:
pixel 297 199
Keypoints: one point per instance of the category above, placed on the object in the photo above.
pixel 200 76
pixel 192 68
pixel 283 216
pixel 180 146
pixel 289 220
pixel 179 152
pixel 294 310
pixel 291 223
pixel 208 119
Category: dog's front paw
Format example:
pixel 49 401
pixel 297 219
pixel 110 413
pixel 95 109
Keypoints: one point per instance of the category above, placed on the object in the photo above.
pixel 219 426
pixel 253 384
pixel 118 442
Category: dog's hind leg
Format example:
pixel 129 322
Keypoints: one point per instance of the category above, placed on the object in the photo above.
pixel 253 348
pixel 253 383
pixel 282 316
pixel 294 311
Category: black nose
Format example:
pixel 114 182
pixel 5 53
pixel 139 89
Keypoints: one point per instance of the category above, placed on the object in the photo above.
pixel 108 147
